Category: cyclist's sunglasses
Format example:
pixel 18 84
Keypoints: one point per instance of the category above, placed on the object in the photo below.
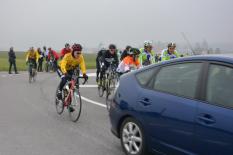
pixel 113 49
pixel 78 52
pixel 172 48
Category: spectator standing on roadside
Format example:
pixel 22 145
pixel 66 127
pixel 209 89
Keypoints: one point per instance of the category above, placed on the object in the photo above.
pixel 12 58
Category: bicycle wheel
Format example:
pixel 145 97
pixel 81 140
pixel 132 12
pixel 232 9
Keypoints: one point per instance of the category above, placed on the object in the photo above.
pixel 101 88
pixel 46 67
pixel 30 78
pixel 29 74
pixel 49 67
pixel 75 106
pixel 110 94
pixel 34 75
pixel 59 104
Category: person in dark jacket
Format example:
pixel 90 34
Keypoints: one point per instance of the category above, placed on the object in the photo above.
pixel 12 58
pixel 108 54
pixel 125 52
pixel 99 62
pixel 40 61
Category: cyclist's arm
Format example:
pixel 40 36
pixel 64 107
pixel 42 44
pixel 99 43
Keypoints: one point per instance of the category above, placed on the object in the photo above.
pixel 103 57
pixel 82 65
pixel 177 54
pixel 164 58
pixel 163 55
pixel 123 55
pixel 116 59
pixel 140 58
pixel 56 55
pixel 143 58
pixel 63 65
pixel 153 56
pixel 62 53
pixel 27 55
pixel 37 56
pixel 137 63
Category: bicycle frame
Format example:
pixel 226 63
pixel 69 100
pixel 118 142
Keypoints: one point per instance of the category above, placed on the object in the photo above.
pixel 72 86
pixel 67 100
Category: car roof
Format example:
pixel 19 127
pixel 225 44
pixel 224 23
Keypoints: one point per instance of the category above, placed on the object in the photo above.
pixel 228 58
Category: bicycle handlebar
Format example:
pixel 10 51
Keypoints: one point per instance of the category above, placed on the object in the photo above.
pixel 85 79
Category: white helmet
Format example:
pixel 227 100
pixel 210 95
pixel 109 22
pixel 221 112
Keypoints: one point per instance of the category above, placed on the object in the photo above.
pixel 147 43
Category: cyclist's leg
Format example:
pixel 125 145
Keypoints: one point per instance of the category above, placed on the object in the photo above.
pixel 98 69
pixel 38 67
pixel 55 64
pixel 59 72
pixel 102 73
pixel 60 87
pixel 64 79
pixel 35 64
pixel 30 67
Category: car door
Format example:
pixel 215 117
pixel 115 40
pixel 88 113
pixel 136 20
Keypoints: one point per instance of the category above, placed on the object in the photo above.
pixel 168 107
pixel 214 131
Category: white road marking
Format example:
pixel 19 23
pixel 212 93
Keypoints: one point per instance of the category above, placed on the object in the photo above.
pixel 88 86
pixel 93 102
pixel 91 74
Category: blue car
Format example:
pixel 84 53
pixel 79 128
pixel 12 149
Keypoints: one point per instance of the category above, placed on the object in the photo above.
pixel 182 106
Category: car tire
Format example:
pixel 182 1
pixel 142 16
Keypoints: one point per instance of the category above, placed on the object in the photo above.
pixel 132 137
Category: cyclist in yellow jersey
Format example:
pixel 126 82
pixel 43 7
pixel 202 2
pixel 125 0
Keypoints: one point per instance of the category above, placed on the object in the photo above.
pixel 32 56
pixel 68 64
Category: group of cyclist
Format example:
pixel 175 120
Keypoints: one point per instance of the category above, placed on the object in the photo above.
pixel 132 58
pixel 71 57
pixel 38 56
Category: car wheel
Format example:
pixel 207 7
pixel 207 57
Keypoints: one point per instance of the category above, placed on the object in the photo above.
pixel 132 137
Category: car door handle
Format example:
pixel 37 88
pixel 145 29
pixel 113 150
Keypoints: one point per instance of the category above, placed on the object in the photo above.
pixel 207 119
pixel 145 101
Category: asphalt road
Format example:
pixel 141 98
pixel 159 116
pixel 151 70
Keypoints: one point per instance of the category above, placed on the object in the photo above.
pixel 29 124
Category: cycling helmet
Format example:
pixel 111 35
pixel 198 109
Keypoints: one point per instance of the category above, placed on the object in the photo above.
pixel 147 43
pixel 67 45
pixel 77 47
pixel 128 47
pixel 134 51
pixel 112 46
pixel 171 45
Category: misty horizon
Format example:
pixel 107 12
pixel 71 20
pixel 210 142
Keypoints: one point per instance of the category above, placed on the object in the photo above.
pixel 26 23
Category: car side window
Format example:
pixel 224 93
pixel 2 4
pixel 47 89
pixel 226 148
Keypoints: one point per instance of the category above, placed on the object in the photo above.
pixel 145 76
pixel 178 79
pixel 220 85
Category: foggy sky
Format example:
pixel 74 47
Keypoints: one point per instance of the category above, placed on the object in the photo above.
pixel 25 23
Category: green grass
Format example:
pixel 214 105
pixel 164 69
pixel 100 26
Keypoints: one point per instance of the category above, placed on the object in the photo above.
pixel 21 64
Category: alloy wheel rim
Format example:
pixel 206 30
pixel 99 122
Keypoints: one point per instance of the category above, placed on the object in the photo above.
pixel 132 138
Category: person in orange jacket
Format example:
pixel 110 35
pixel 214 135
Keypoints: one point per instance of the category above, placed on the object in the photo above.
pixel 130 62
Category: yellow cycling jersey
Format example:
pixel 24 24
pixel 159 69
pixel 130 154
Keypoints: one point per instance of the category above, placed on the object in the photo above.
pixel 70 63
pixel 32 55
